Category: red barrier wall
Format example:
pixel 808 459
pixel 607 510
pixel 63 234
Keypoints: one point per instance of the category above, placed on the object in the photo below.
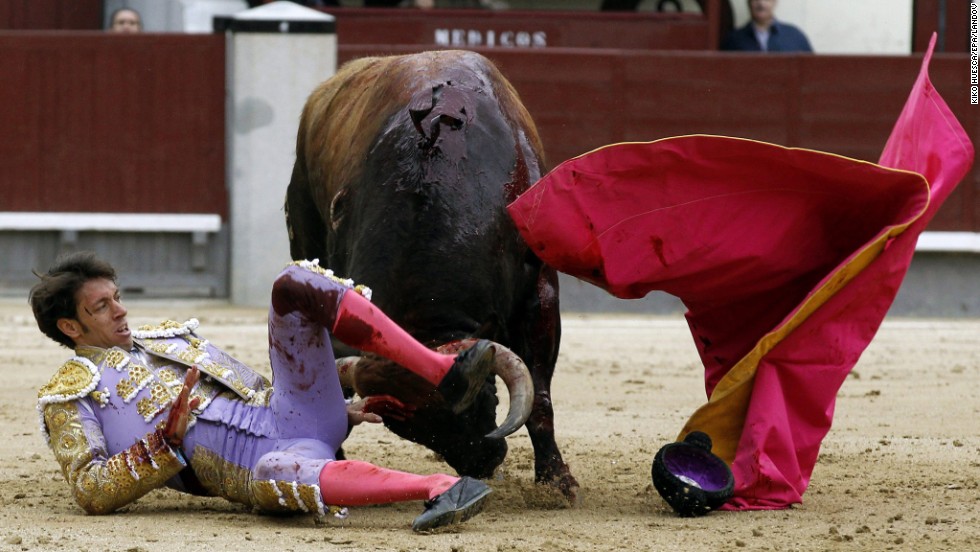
pixel 97 122
pixel 51 14
pixel 102 122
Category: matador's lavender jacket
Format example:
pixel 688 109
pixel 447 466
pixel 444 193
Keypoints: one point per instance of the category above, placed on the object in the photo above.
pixel 104 410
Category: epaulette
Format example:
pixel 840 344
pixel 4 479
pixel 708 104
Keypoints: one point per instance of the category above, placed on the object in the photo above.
pixel 75 379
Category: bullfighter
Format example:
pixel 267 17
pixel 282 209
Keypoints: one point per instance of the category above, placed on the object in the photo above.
pixel 160 406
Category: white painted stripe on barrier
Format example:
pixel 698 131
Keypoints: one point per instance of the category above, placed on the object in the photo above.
pixel 967 242
pixel 110 222
pixel 960 242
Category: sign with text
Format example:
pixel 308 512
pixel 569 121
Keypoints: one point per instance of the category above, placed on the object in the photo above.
pixel 524 29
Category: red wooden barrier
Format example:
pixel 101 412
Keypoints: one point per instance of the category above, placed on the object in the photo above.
pixel 97 122
pixel 51 14
pixel 102 122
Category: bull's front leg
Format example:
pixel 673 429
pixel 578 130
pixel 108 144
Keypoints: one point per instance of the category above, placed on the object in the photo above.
pixel 544 334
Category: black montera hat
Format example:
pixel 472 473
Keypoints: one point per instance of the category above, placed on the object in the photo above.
pixel 690 478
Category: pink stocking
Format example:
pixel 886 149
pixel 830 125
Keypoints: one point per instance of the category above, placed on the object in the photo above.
pixel 356 483
pixel 361 325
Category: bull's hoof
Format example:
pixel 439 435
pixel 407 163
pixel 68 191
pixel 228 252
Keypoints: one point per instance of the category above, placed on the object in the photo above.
pixel 569 488
pixel 466 378
pixel 690 478
pixel 457 504
pixel 565 483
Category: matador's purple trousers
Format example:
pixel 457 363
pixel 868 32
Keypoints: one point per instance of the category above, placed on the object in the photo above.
pixel 306 420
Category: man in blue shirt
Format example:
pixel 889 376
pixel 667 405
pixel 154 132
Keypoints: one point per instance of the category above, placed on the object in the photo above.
pixel 765 34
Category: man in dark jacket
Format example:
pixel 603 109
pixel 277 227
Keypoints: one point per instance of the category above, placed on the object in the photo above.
pixel 765 34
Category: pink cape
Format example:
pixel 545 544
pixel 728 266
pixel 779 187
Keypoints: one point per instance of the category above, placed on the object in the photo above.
pixel 786 259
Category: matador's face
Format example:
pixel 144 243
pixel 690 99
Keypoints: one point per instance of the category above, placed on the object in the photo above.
pixel 100 319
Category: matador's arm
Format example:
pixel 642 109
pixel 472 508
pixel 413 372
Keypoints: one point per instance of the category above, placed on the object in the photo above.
pixel 101 483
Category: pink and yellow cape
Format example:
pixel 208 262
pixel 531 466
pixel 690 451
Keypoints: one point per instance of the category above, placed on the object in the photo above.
pixel 787 260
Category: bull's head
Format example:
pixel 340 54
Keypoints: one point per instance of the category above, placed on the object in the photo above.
pixel 432 423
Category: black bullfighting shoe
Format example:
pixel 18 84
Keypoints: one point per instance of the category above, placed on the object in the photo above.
pixel 457 504
pixel 469 372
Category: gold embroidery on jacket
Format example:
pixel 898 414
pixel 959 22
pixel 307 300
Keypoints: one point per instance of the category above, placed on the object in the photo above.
pixel 74 379
pixel 197 342
pixel 194 352
pixel 218 370
pixel 136 379
pixel 192 356
pixel 69 381
pixel 101 484
pixel 117 359
pixel 167 328
pixel 161 348
pixel 170 376
pixel 158 400
pixel 100 397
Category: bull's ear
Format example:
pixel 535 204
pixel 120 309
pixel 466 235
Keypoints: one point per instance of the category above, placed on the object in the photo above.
pixel 338 208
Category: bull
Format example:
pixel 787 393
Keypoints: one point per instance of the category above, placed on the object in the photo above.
pixel 404 166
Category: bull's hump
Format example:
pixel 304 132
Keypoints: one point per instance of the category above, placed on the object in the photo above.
pixel 439 68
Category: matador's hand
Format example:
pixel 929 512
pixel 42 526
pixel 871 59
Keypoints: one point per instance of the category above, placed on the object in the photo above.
pixel 375 408
pixel 179 415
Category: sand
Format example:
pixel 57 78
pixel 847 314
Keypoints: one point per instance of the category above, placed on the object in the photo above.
pixel 900 469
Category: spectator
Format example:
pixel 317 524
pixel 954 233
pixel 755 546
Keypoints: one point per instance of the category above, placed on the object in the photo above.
pixel 765 34
pixel 125 20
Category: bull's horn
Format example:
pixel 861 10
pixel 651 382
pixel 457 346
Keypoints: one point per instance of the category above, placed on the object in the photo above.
pixel 512 370
pixel 346 367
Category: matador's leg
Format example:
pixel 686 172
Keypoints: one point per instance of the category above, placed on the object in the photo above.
pixel 308 400
pixel 302 297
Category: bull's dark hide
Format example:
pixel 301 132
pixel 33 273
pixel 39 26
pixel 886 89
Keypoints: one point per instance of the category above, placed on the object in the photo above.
pixel 404 166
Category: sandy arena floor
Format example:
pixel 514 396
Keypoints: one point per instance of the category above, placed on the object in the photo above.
pixel 900 470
